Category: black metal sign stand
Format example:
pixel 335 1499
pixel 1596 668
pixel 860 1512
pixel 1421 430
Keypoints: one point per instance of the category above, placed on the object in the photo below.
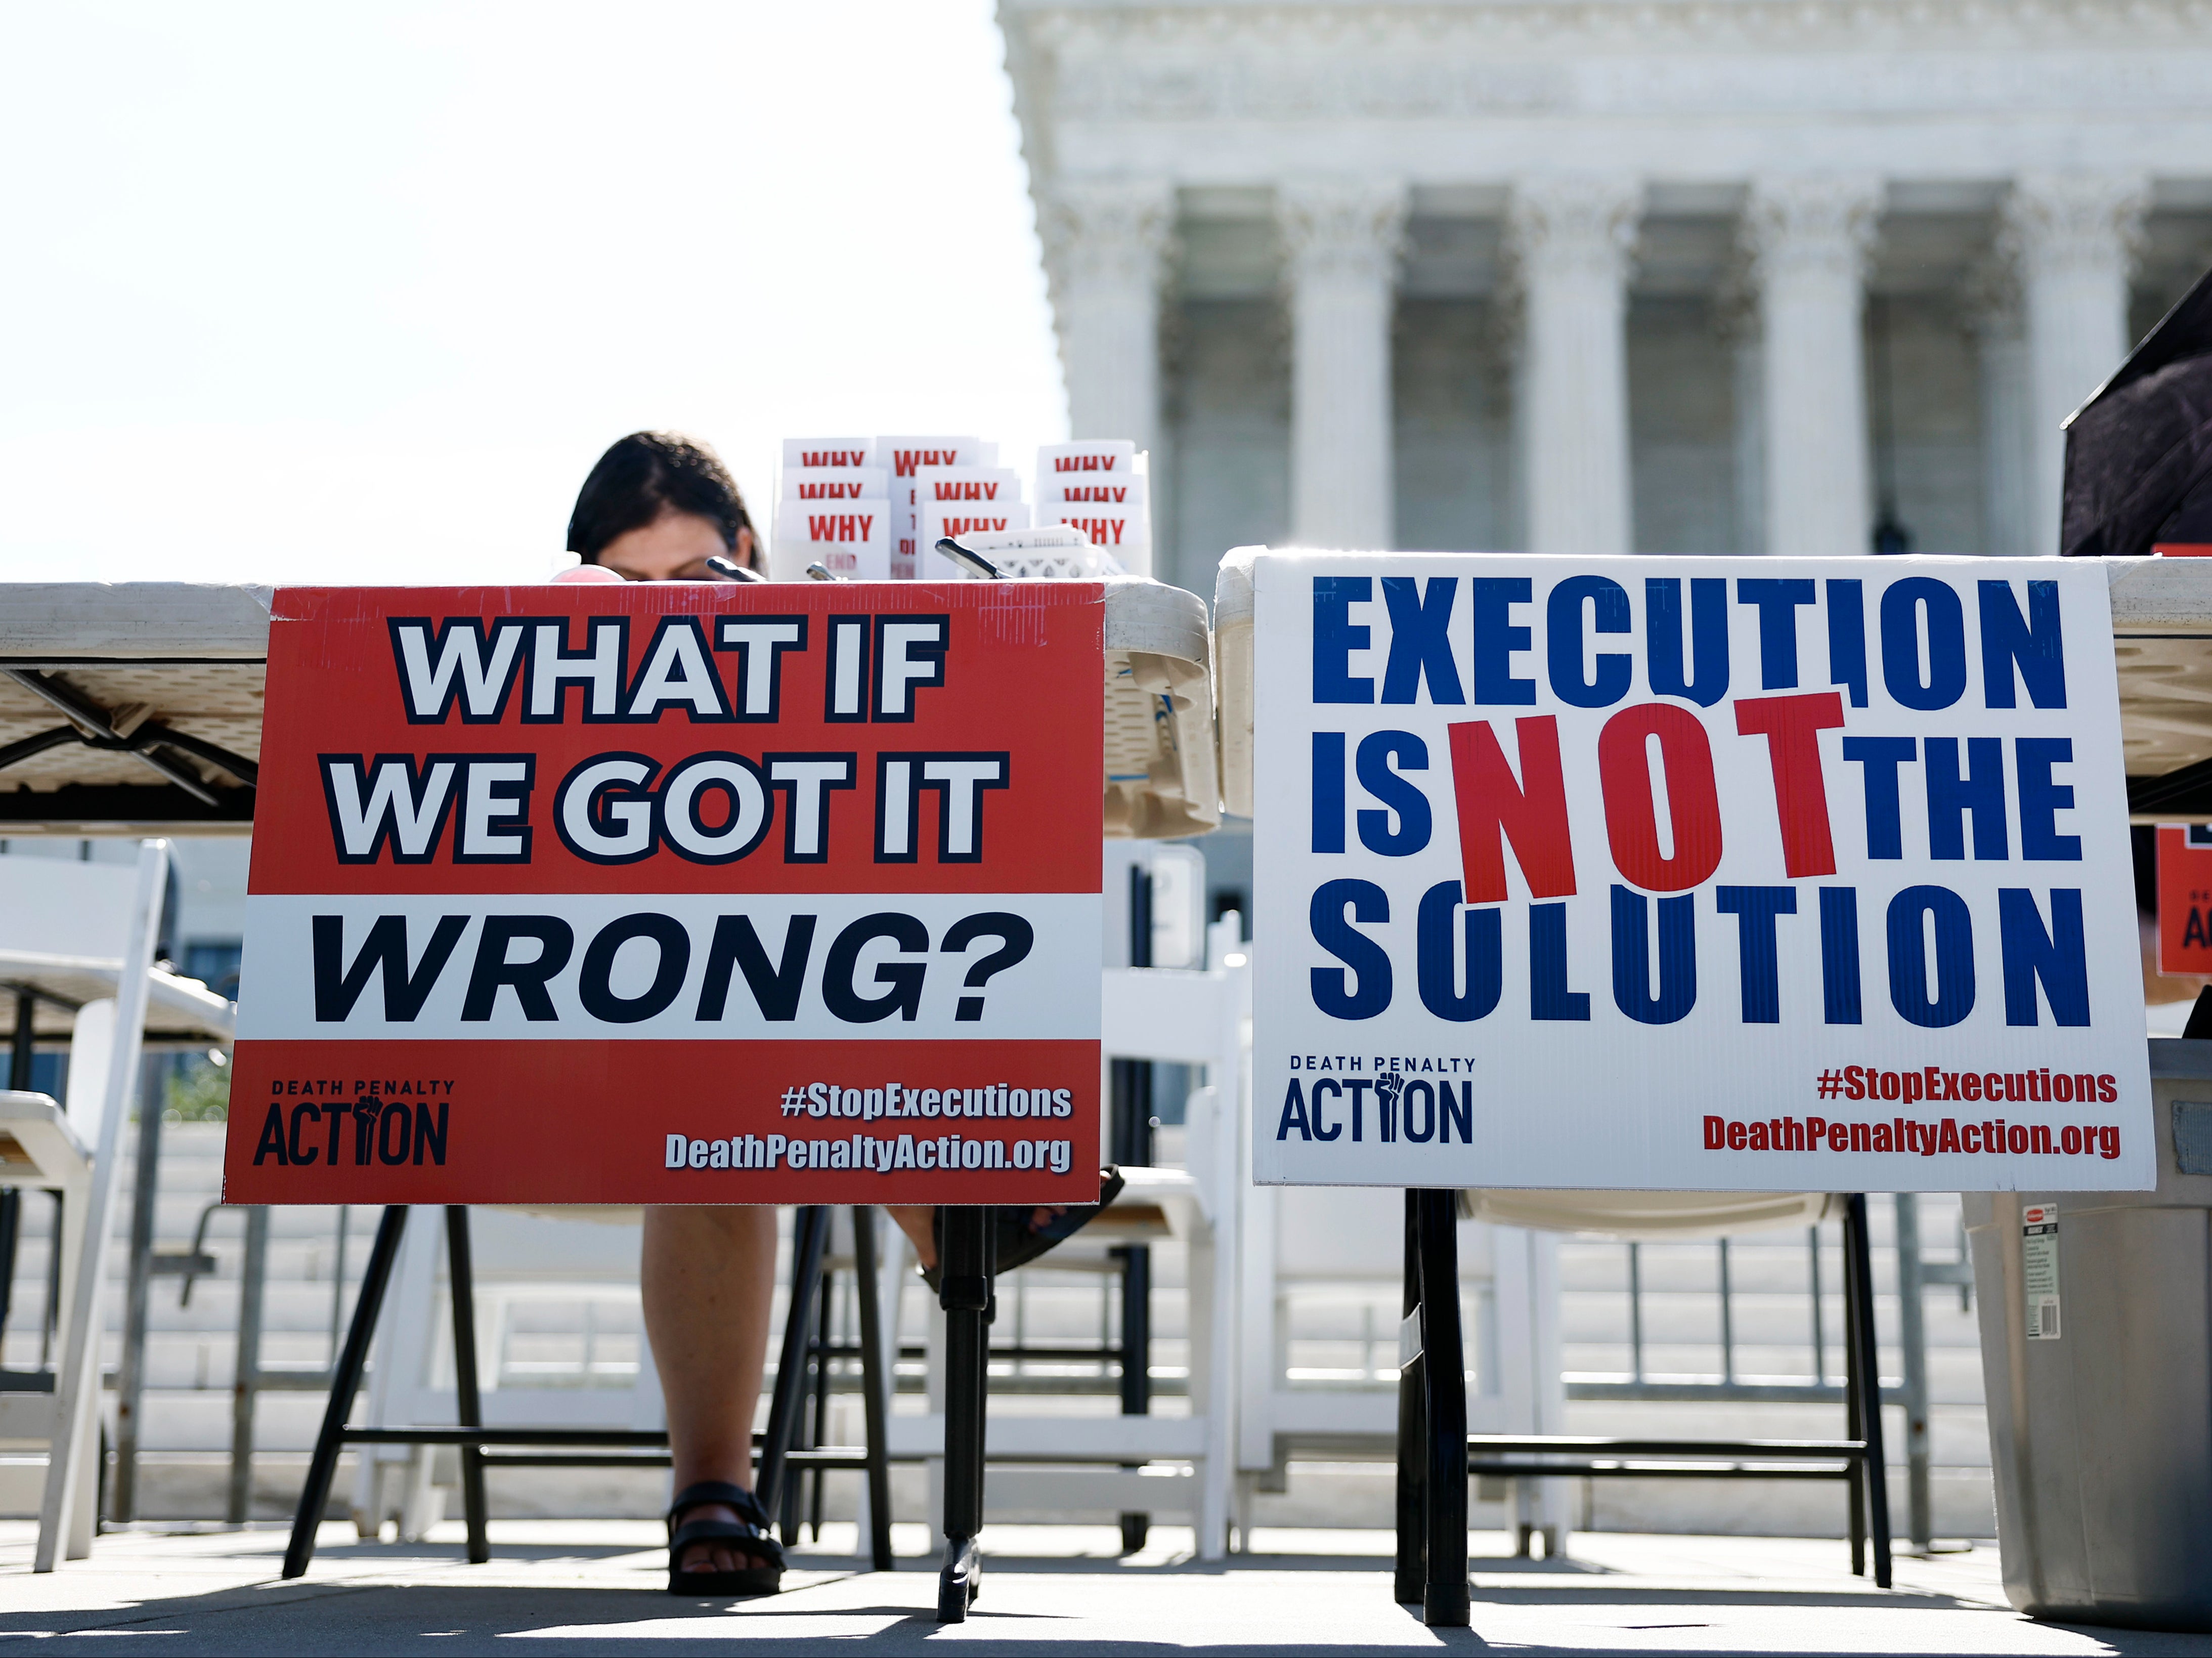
pixel 1436 1455
pixel 593 1447
pixel 967 1295
pixel 1432 1417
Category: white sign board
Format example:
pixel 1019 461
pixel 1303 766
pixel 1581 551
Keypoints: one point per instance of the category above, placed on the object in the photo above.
pixel 809 454
pixel 1686 874
pixel 836 483
pixel 851 538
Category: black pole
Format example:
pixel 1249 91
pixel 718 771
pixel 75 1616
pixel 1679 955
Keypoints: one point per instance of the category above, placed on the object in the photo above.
pixel 24 1050
pixel 817 1364
pixel 461 1290
pixel 20 1053
pixel 808 1228
pixel 1413 1450
pixel 1854 1399
pixel 11 1232
pixel 1130 1134
pixel 1876 1465
pixel 51 1326
pixel 345 1382
pixel 964 1278
pixel 1443 1365
pixel 875 1388
pixel 1135 1261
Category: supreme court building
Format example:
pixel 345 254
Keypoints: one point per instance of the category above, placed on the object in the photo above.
pixel 1606 275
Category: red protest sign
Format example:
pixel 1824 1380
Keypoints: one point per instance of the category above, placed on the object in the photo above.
pixel 2184 899
pixel 690 893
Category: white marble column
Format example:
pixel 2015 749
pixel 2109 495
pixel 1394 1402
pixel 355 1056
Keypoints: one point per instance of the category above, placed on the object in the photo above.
pixel 1106 242
pixel 1747 354
pixel 1570 239
pixel 2074 236
pixel 1510 337
pixel 1808 240
pixel 1341 239
pixel 1994 321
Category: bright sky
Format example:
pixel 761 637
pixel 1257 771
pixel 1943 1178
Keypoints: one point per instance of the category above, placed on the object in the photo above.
pixel 358 293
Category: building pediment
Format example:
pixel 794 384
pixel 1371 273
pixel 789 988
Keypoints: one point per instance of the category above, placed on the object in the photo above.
pixel 1572 25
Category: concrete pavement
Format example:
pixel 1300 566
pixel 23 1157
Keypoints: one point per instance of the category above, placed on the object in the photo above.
pixel 572 1587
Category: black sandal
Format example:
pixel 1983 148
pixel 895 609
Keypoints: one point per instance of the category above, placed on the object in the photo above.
pixel 1020 1239
pixel 748 1532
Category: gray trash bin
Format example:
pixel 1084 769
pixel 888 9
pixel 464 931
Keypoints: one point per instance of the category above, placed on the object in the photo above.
pixel 2096 1322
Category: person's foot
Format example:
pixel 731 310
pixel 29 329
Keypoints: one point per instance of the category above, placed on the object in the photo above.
pixel 719 1556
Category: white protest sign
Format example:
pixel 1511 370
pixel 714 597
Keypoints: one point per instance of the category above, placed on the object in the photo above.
pixel 807 452
pixel 906 543
pixel 961 520
pixel 1129 495
pixel 1693 873
pixel 851 538
pixel 836 483
pixel 1100 459
pixel 905 456
pixel 1124 533
pixel 962 501
pixel 981 488
pixel 1099 486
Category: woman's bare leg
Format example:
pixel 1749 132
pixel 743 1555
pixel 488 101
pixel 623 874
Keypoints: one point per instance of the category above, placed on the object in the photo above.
pixel 708 1280
pixel 915 1220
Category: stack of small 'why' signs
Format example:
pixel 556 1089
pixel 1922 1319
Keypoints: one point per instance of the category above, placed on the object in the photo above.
pixel 1101 488
pixel 873 509
pixel 833 508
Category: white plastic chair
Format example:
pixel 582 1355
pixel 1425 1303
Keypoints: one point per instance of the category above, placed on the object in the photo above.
pixel 1306 1242
pixel 40 1150
pixel 518 1257
pixel 1187 1016
pixel 103 1053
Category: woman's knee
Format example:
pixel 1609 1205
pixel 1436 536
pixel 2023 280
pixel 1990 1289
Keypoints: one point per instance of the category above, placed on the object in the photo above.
pixel 738 1225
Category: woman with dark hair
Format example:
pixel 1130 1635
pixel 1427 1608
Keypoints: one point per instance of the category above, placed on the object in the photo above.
pixel 659 508
pixel 662 508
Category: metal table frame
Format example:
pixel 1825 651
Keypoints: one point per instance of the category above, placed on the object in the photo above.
pixel 1436 1455
pixel 483 1447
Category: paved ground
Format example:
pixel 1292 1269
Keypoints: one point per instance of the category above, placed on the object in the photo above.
pixel 574 1587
